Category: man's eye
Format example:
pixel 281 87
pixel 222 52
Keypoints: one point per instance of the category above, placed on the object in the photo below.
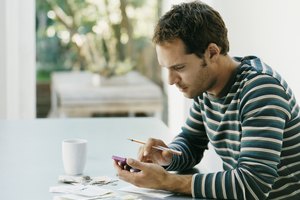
pixel 179 67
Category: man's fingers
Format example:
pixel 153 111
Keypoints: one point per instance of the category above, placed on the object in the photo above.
pixel 148 146
pixel 141 153
pixel 117 166
pixel 134 163
pixel 121 173
pixel 167 155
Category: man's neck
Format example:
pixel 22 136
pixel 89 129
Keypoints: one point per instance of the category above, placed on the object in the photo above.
pixel 227 67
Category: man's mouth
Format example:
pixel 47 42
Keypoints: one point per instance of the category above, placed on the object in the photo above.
pixel 182 89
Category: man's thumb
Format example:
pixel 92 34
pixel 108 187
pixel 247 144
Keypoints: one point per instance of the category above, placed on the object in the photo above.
pixel 134 163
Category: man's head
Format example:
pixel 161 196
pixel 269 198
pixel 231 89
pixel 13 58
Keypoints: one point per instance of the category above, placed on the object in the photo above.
pixel 196 24
pixel 191 43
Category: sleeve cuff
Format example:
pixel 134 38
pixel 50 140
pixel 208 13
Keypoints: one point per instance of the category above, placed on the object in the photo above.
pixel 192 185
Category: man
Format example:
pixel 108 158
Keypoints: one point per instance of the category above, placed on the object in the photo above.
pixel 241 106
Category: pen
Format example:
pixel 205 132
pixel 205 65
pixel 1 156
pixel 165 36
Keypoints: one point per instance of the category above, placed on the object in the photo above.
pixel 158 147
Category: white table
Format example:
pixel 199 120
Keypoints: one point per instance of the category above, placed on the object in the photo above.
pixel 81 94
pixel 30 150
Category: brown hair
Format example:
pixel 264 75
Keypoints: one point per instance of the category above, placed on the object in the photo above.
pixel 196 24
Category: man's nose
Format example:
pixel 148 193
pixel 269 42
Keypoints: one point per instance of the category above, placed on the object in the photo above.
pixel 173 78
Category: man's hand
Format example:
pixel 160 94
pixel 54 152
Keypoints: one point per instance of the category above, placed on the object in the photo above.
pixel 151 155
pixel 154 176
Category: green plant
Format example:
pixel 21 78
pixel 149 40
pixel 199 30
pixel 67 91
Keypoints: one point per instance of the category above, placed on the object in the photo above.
pixel 107 37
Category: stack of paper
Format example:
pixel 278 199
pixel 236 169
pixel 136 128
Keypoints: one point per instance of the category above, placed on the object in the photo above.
pixel 82 192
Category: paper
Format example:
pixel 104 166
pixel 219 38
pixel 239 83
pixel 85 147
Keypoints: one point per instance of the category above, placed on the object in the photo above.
pixel 82 188
pixel 85 191
pixel 78 197
pixel 147 192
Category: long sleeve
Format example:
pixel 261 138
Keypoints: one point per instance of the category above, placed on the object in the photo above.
pixel 254 128
pixel 264 110
pixel 192 141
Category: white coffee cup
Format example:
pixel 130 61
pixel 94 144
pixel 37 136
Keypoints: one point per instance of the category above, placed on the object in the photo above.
pixel 74 156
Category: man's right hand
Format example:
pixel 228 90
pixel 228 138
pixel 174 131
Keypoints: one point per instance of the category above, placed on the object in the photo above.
pixel 149 154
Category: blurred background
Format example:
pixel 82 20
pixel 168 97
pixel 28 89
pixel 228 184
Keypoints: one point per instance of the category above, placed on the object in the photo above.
pixel 95 58
pixel 107 38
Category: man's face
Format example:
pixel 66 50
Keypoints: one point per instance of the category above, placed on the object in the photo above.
pixel 191 74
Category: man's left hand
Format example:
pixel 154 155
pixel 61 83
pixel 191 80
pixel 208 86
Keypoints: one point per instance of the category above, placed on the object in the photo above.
pixel 151 175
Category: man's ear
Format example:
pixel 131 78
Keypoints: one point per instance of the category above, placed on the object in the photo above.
pixel 213 51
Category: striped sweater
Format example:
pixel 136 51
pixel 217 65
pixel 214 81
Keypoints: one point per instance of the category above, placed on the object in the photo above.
pixel 254 128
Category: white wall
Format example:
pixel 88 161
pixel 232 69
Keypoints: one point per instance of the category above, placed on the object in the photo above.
pixel 2 61
pixel 269 29
pixel 17 59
